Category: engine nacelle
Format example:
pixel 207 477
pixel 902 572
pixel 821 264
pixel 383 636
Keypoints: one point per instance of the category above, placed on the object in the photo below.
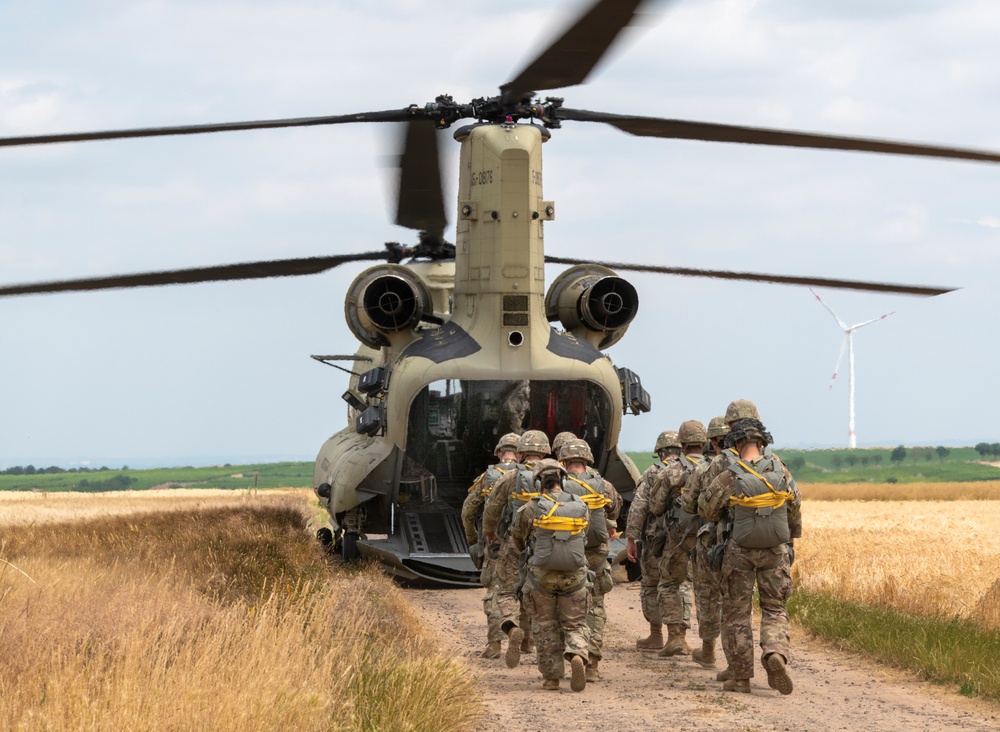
pixel 592 303
pixel 386 300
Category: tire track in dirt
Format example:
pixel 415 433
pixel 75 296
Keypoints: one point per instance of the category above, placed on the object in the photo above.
pixel 833 690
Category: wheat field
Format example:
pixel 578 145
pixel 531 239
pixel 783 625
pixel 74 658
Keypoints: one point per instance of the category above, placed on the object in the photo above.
pixel 200 611
pixel 926 557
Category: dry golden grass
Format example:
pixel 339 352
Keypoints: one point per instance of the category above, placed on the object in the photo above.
pixel 988 490
pixel 932 558
pixel 157 616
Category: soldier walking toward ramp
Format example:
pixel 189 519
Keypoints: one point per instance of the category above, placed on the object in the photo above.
pixel 605 503
pixel 551 529
pixel 506 452
pixel 640 527
pixel 509 493
pixel 680 530
pixel 707 580
pixel 756 495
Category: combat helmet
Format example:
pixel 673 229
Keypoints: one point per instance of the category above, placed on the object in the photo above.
pixel 546 465
pixel 741 409
pixel 508 441
pixel 561 439
pixel 576 450
pixel 717 427
pixel 533 441
pixel 667 438
pixel 692 432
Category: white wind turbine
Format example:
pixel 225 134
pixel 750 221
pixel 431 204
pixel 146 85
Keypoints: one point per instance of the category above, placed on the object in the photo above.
pixel 849 342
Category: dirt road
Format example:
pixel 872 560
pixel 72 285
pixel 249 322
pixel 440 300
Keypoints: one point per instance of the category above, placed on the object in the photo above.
pixel 833 691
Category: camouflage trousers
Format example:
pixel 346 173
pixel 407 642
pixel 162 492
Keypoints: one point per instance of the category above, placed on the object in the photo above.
pixel 647 585
pixel 674 589
pixel 558 604
pixel 491 607
pixel 707 590
pixel 597 616
pixel 741 568
pixel 507 577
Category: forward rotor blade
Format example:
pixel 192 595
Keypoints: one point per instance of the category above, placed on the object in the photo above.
pixel 712 132
pixel 840 322
pixel 924 291
pixel 242 271
pixel 392 115
pixel 573 55
pixel 420 204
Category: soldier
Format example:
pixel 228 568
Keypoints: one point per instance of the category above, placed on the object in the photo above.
pixel 707 581
pixel 506 452
pixel 509 493
pixel 640 526
pixel 561 439
pixel 757 497
pixel 605 504
pixel 552 528
pixel 680 530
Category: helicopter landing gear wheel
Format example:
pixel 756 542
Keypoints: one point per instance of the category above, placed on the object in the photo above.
pixel 325 538
pixel 349 547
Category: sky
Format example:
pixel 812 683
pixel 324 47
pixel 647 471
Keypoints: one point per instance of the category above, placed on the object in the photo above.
pixel 221 372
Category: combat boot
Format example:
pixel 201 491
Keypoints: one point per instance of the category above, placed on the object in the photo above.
pixel 551 684
pixel 724 675
pixel 528 644
pixel 514 639
pixel 492 650
pixel 593 672
pixel 676 645
pixel 777 675
pixel 654 641
pixel 578 681
pixel 705 655
pixel 740 685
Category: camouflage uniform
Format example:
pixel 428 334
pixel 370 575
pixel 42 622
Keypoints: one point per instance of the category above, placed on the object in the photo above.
pixel 707 582
pixel 674 560
pixel 639 527
pixel 597 562
pixel 742 567
pixel 558 602
pixel 471 520
pixel 501 504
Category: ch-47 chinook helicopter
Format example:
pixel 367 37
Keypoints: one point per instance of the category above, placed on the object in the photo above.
pixel 457 345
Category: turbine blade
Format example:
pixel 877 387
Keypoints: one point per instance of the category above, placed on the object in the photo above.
pixel 840 322
pixel 840 359
pixel 873 320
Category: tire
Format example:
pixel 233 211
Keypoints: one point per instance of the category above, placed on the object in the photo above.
pixel 349 547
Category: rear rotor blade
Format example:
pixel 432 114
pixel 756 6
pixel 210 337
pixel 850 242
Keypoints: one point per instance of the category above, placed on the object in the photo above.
pixel 573 55
pixel 392 115
pixel 924 291
pixel 712 132
pixel 420 204
pixel 242 271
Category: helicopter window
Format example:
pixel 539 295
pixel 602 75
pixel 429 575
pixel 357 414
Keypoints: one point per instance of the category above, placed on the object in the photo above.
pixel 454 424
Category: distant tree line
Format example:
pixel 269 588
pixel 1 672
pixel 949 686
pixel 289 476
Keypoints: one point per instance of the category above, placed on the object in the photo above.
pixel 988 448
pixel 52 469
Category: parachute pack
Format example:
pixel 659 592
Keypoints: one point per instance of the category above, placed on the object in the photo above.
pixel 588 492
pixel 560 533
pixel 760 516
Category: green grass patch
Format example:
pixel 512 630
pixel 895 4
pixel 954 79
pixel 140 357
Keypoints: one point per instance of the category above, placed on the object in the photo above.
pixel 264 475
pixel 949 651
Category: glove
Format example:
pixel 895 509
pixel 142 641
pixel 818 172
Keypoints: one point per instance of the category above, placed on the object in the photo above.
pixel 790 547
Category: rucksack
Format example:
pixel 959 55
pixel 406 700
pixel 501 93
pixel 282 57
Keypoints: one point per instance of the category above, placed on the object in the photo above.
pixel 559 536
pixel 587 490
pixel 760 516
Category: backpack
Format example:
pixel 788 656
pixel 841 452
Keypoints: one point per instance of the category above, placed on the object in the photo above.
pixel 760 516
pixel 590 491
pixel 688 523
pixel 521 492
pixel 560 530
